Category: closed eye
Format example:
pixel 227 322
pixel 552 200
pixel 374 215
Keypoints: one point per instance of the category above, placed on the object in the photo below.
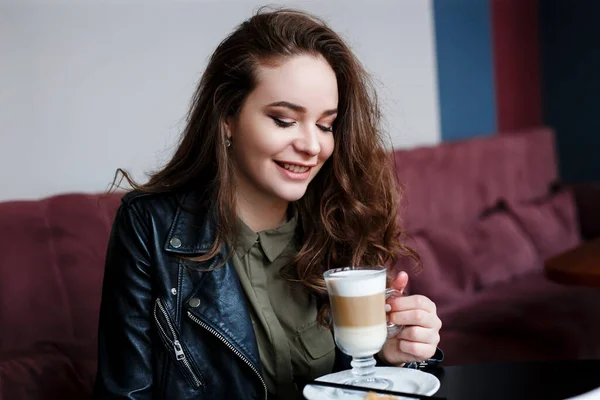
pixel 284 124
pixel 280 123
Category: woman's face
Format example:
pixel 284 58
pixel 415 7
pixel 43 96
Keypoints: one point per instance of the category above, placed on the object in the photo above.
pixel 282 136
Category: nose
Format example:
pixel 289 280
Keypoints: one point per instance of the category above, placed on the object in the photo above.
pixel 308 142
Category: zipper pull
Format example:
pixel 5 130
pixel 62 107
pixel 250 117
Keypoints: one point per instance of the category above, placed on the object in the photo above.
pixel 178 350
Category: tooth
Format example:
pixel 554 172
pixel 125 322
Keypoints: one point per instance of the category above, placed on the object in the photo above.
pixel 295 168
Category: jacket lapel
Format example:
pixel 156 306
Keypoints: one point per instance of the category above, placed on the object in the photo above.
pixel 222 305
pixel 223 308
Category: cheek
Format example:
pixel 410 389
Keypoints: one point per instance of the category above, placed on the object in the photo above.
pixel 260 142
pixel 327 146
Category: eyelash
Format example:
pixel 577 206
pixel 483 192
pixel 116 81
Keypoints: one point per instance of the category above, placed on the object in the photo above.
pixel 283 124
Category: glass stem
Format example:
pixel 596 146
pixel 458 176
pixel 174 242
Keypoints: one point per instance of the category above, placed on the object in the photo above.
pixel 363 367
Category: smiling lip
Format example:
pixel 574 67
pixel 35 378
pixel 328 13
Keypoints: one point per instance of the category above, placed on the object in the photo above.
pixel 296 176
pixel 296 163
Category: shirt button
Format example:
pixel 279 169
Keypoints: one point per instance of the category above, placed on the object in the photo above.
pixel 194 302
pixel 175 242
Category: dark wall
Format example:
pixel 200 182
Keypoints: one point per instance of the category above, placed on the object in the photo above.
pixel 516 43
pixel 570 51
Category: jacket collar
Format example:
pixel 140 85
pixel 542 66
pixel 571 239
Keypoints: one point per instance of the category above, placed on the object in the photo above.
pixel 192 231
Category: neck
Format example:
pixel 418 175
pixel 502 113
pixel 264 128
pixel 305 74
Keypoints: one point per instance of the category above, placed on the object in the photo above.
pixel 259 214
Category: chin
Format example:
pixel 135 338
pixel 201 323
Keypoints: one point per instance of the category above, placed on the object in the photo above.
pixel 292 195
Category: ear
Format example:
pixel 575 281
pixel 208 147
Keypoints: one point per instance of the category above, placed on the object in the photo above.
pixel 229 126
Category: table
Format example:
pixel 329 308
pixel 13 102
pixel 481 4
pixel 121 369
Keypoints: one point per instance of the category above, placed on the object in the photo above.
pixel 579 266
pixel 516 381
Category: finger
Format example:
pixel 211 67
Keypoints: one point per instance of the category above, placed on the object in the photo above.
pixel 414 302
pixel 414 317
pixel 419 334
pixel 400 281
pixel 420 351
pixel 394 355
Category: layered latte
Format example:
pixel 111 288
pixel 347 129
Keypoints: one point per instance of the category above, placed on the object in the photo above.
pixel 357 300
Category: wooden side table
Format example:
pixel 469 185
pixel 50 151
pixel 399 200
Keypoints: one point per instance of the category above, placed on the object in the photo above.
pixel 579 266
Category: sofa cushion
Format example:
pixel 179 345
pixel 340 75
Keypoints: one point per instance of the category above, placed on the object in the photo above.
pixel 429 279
pixel 498 249
pixel 80 231
pixel 43 375
pixel 451 183
pixel 492 250
pixel 444 278
pixel 52 267
pixel 550 222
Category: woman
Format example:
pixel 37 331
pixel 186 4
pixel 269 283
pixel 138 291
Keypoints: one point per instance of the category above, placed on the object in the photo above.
pixel 213 283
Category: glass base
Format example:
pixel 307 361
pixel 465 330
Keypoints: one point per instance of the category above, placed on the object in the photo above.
pixel 372 382
pixel 363 374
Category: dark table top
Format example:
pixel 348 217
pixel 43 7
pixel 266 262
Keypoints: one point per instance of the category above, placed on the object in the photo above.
pixel 515 381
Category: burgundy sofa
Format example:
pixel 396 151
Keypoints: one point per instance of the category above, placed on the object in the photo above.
pixel 483 270
pixel 51 268
pixel 484 214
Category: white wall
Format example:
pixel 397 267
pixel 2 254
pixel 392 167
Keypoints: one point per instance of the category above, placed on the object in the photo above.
pixel 88 86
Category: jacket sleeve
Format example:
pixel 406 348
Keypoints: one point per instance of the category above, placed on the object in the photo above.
pixel 428 364
pixel 342 361
pixel 124 339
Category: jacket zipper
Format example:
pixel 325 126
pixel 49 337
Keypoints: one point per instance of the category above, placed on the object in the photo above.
pixel 231 347
pixel 179 353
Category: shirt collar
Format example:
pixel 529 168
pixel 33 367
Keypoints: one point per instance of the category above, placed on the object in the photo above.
pixel 272 241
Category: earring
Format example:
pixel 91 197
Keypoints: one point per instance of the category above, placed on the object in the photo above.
pixel 228 142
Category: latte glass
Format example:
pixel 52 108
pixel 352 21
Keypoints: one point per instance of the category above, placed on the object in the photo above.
pixel 357 296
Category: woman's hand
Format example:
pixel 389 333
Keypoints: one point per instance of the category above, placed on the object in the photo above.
pixel 420 334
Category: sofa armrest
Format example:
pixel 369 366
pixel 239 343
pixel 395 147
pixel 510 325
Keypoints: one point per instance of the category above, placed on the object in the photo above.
pixel 587 200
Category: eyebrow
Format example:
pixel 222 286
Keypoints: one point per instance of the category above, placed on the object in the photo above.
pixel 300 109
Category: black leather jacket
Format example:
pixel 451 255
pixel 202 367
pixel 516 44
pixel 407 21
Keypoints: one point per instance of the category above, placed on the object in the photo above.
pixel 168 332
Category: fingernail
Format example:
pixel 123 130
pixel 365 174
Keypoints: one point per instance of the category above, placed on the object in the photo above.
pixel 388 308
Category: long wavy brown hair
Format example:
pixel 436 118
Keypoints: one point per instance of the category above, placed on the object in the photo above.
pixel 348 215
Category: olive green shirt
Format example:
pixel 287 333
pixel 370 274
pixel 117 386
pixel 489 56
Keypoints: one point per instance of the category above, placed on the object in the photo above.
pixel 293 347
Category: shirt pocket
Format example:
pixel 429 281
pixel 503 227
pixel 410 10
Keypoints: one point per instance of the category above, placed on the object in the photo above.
pixel 316 340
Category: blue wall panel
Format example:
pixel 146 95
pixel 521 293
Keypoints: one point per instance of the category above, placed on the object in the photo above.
pixel 465 68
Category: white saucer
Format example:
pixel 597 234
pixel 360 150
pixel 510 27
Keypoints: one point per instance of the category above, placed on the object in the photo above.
pixel 403 379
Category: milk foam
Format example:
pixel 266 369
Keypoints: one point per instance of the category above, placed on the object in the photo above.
pixel 361 342
pixel 356 283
